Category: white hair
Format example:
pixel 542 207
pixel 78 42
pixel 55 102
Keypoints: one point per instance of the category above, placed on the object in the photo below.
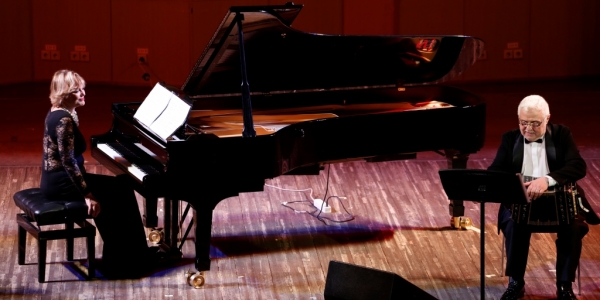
pixel 534 102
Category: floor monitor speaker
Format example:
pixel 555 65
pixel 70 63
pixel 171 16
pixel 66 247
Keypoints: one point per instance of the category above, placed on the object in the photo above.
pixel 352 282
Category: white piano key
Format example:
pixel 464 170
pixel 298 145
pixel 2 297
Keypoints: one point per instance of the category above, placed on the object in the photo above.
pixel 136 172
pixel 116 156
pixel 109 151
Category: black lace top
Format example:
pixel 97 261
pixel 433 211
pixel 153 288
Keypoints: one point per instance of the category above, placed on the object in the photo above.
pixel 62 164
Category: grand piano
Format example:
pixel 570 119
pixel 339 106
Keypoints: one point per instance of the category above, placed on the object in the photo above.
pixel 269 100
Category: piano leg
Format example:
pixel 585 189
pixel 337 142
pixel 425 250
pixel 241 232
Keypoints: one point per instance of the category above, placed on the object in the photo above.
pixel 167 237
pixel 203 226
pixel 457 160
pixel 171 222
pixel 150 218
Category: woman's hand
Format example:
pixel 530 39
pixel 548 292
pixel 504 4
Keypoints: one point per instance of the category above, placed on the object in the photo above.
pixel 93 206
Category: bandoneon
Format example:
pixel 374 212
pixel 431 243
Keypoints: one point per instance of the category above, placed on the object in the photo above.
pixel 556 207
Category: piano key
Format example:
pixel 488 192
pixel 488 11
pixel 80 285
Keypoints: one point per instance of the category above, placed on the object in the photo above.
pixel 376 100
pixel 130 162
pixel 147 151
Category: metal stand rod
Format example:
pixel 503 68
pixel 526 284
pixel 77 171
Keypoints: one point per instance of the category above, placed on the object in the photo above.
pixel 482 249
pixel 246 102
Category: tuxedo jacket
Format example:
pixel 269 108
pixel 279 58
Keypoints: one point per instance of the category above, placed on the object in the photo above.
pixel 564 161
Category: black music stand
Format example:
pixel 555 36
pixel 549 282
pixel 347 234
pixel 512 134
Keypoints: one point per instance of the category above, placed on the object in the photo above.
pixel 483 186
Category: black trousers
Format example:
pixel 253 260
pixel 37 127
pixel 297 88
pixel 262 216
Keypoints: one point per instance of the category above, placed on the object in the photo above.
pixel 568 246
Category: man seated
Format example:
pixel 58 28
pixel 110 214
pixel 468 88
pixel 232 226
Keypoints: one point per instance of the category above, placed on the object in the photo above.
pixel 547 152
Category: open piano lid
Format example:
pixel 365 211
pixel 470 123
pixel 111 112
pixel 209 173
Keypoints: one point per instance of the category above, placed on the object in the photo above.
pixel 280 59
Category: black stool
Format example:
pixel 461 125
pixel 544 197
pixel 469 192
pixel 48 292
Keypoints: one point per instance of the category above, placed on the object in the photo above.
pixel 38 209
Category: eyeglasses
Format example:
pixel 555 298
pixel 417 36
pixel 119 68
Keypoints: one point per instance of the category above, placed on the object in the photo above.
pixel 534 124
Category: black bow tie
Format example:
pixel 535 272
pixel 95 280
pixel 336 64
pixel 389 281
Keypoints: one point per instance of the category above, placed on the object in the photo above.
pixel 536 141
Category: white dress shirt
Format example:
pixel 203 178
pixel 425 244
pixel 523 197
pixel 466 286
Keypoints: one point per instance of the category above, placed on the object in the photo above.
pixel 535 162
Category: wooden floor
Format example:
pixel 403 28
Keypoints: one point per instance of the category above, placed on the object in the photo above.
pixel 262 249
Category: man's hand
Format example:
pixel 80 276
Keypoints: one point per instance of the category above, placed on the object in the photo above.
pixel 93 207
pixel 536 188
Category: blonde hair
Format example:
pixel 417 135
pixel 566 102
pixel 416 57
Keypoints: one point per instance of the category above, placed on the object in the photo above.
pixel 534 102
pixel 63 83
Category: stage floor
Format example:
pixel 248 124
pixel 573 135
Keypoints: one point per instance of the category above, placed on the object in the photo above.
pixel 262 249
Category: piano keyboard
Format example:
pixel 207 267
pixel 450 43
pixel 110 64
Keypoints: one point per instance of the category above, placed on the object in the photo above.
pixel 135 162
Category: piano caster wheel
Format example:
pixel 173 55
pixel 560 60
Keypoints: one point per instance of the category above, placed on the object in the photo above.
pixel 460 222
pixel 194 279
pixel 156 236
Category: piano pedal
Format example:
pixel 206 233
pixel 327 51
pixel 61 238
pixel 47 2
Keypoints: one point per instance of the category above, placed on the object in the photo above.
pixel 156 235
pixel 461 222
pixel 194 279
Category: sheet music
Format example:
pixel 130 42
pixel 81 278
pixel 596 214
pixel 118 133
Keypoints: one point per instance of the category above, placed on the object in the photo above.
pixel 162 111
pixel 153 105
pixel 171 118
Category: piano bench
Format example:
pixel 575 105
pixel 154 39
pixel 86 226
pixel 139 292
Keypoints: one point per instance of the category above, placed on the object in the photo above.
pixel 37 209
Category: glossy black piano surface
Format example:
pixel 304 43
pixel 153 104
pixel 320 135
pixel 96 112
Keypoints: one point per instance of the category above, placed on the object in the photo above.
pixel 316 99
